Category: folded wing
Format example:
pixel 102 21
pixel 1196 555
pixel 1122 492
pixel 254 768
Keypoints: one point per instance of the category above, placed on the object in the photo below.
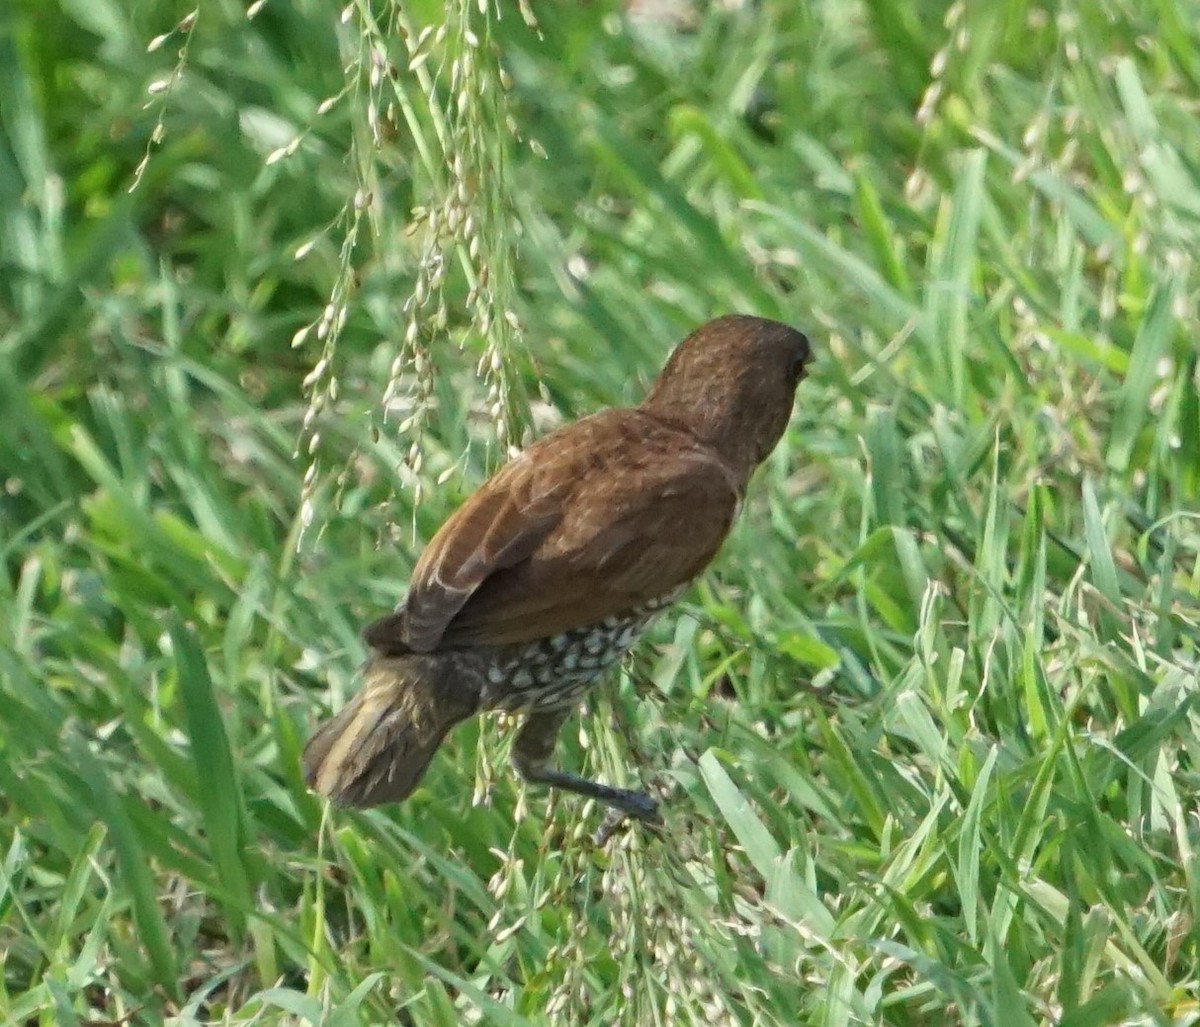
pixel 601 517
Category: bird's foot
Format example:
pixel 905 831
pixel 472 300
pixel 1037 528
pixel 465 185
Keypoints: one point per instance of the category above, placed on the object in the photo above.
pixel 624 805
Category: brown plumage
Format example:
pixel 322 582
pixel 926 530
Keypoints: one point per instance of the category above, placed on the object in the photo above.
pixel 550 571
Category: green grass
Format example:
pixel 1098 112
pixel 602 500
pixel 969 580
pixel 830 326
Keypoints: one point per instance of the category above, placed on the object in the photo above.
pixel 928 729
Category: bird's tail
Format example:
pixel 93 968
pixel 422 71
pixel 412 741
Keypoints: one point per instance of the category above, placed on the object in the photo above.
pixel 376 748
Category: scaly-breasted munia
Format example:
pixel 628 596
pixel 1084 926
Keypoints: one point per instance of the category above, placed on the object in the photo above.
pixel 552 569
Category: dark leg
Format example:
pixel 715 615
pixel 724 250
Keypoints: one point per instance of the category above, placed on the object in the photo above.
pixel 531 755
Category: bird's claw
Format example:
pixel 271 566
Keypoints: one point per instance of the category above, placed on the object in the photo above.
pixel 640 807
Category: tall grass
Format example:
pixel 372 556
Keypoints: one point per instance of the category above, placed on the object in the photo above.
pixel 927 732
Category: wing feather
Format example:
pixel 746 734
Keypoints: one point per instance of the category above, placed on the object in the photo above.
pixel 596 519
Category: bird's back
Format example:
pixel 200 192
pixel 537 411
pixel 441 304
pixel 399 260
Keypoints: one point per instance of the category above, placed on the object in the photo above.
pixel 597 519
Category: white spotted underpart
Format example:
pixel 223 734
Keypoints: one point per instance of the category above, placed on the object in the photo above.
pixel 554 673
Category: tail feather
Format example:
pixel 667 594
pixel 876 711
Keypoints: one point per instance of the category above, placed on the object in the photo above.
pixel 377 747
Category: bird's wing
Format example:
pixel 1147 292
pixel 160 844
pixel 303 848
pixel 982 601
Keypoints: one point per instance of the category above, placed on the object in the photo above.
pixel 623 546
pixel 595 520
pixel 500 525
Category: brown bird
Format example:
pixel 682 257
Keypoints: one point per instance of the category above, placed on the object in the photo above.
pixel 552 569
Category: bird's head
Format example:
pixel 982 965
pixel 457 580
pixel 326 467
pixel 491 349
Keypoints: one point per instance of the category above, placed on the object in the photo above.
pixel 731 383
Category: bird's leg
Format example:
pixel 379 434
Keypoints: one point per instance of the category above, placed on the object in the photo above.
pixel 531 755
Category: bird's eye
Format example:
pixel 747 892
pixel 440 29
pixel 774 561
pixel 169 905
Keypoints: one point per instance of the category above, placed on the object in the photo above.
pixel 801 356
pixel 800 365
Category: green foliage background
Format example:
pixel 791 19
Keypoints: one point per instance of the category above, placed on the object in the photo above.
pixel 927 732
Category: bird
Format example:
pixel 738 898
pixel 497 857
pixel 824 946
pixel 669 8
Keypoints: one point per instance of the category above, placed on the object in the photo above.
pixel 547 574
